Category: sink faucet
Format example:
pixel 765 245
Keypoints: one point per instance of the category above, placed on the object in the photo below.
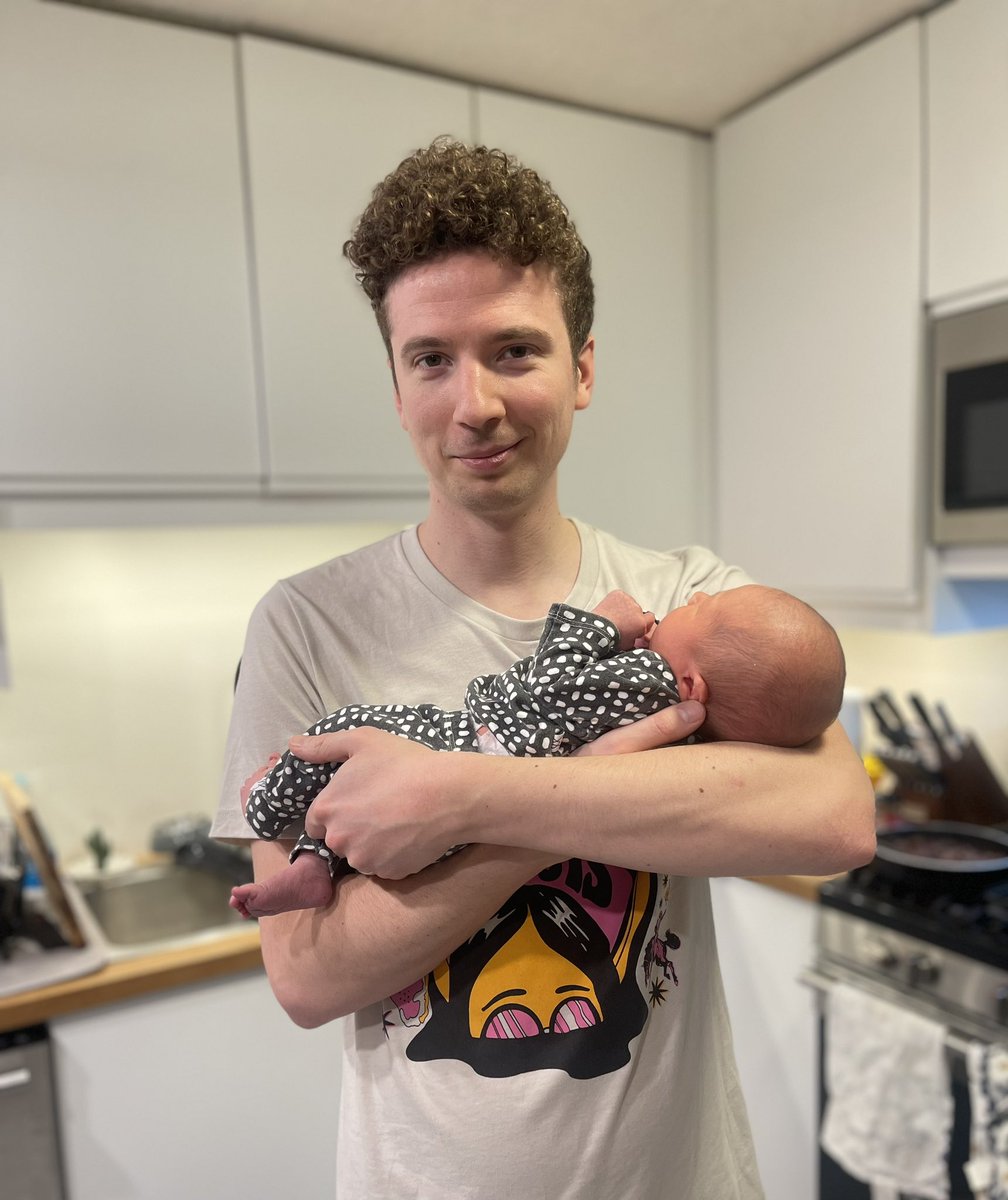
pixel 188 841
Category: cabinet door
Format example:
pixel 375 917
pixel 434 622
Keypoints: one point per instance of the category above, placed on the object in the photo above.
pixel 322 131
pixel 766 939
pixel 819 331
pixel 967 109
pixel 206 1091
pixel 639 196
pixel 125 337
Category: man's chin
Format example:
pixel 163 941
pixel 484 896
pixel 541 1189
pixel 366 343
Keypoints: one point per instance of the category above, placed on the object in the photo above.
pixel 494 496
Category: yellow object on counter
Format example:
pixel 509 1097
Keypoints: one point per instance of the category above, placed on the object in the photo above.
pixel 876 769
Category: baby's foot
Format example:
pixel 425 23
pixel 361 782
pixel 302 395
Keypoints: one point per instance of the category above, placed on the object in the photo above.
pixel 306 883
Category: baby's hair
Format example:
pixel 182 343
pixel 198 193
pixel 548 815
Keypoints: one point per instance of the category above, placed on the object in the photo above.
pixel 783 687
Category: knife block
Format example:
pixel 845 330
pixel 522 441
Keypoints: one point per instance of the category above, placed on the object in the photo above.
pixel 962 787
pixel 919 794
pixel 972 792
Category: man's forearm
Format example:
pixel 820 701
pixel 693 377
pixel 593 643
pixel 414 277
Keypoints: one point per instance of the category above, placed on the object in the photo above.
pixel 707 809
pixel 720 809
pixel 381 935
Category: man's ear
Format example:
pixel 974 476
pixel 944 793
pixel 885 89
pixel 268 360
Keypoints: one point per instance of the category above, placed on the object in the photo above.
pixel 585 373
pixel 693 687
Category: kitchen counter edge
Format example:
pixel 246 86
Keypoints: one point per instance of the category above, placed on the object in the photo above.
pixel 806 887
pixel 149 974
pixel 129 978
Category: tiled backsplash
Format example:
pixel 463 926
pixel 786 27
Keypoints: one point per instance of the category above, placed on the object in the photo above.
pixel 122 647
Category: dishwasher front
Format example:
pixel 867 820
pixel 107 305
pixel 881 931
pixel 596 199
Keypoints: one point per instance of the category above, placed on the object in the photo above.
pixel 29 1142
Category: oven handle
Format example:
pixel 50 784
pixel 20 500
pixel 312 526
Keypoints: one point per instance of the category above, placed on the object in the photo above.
pixel 822 983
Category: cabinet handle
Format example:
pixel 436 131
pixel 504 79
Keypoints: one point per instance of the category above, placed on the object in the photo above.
pixel 16 1078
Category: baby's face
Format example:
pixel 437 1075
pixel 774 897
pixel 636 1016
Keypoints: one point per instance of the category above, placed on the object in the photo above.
pixel 677 634
pixel 681 636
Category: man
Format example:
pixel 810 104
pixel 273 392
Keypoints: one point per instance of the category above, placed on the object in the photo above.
pixel 540 1014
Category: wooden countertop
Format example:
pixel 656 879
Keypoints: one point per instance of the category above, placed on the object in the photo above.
pixel 127 978
pixel 804 886
pixel 149 974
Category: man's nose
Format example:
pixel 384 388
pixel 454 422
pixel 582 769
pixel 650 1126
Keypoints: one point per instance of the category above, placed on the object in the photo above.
pixel 478 399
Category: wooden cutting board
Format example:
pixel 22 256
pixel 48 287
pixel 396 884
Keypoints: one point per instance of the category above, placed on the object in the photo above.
pixel 35 845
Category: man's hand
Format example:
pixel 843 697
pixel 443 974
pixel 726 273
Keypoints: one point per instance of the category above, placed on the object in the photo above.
pixel 663 728
pixel 382 811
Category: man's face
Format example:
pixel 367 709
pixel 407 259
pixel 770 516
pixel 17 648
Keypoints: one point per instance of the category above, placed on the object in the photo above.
pixel 486 385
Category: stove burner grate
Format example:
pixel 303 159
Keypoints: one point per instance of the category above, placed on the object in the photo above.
pixel 976 927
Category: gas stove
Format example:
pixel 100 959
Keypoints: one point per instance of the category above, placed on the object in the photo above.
pixel 943 956
pixel 923 945
pixel 977 927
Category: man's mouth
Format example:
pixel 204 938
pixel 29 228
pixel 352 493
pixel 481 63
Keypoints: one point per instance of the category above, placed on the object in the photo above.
pixel 486 458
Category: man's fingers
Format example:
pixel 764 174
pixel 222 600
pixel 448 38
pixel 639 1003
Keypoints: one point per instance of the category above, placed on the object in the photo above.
pixel 661 729
pixel 322 747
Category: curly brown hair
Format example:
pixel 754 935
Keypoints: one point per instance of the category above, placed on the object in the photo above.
pixel 449 196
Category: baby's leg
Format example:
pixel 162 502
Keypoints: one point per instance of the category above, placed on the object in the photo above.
pixel 305 883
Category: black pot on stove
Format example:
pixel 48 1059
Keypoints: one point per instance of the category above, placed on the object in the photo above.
pixel 957 859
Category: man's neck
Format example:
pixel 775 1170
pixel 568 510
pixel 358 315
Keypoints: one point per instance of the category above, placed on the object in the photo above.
pixel 515 567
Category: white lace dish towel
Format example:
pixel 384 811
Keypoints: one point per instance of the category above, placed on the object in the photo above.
pixel 888 1115
pixel 987 1169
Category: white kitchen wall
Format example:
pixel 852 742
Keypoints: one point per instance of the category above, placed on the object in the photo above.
pixel 122 646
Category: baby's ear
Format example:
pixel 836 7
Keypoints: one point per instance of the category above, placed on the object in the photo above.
pixel 693 687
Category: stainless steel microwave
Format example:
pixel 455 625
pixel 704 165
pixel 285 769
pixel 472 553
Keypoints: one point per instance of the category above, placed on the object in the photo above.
pixel 970 426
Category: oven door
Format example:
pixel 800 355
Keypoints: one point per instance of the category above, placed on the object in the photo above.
pixel 834 1182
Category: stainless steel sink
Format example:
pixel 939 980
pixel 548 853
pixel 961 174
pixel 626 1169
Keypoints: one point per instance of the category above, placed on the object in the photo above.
pixel 159 906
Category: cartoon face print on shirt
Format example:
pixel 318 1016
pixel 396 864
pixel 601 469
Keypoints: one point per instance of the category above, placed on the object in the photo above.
pixel 551 981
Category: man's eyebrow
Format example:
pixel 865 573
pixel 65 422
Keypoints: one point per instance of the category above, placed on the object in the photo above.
pixel 524 333
pixel 416 344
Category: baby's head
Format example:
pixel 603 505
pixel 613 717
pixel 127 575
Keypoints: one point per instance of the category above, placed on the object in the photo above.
pixel 767 666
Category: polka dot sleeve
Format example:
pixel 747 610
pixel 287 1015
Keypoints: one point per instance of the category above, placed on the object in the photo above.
pixel 575 687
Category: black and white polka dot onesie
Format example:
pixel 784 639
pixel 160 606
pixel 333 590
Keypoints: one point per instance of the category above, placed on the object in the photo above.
pixel 575 687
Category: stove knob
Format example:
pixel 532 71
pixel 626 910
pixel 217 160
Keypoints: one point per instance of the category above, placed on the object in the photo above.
pixel 923 970
pixel 878 954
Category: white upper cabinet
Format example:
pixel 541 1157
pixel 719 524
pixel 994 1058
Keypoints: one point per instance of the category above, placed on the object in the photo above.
pixel 322 131
pixel 967 115
pixel 818 229
pixel 640 197
pixel 125 341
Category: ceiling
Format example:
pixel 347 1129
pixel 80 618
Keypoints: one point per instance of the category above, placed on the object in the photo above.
pixel 688 63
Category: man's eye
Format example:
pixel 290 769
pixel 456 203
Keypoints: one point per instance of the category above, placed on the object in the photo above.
pixel 430 360
pixel 518 352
